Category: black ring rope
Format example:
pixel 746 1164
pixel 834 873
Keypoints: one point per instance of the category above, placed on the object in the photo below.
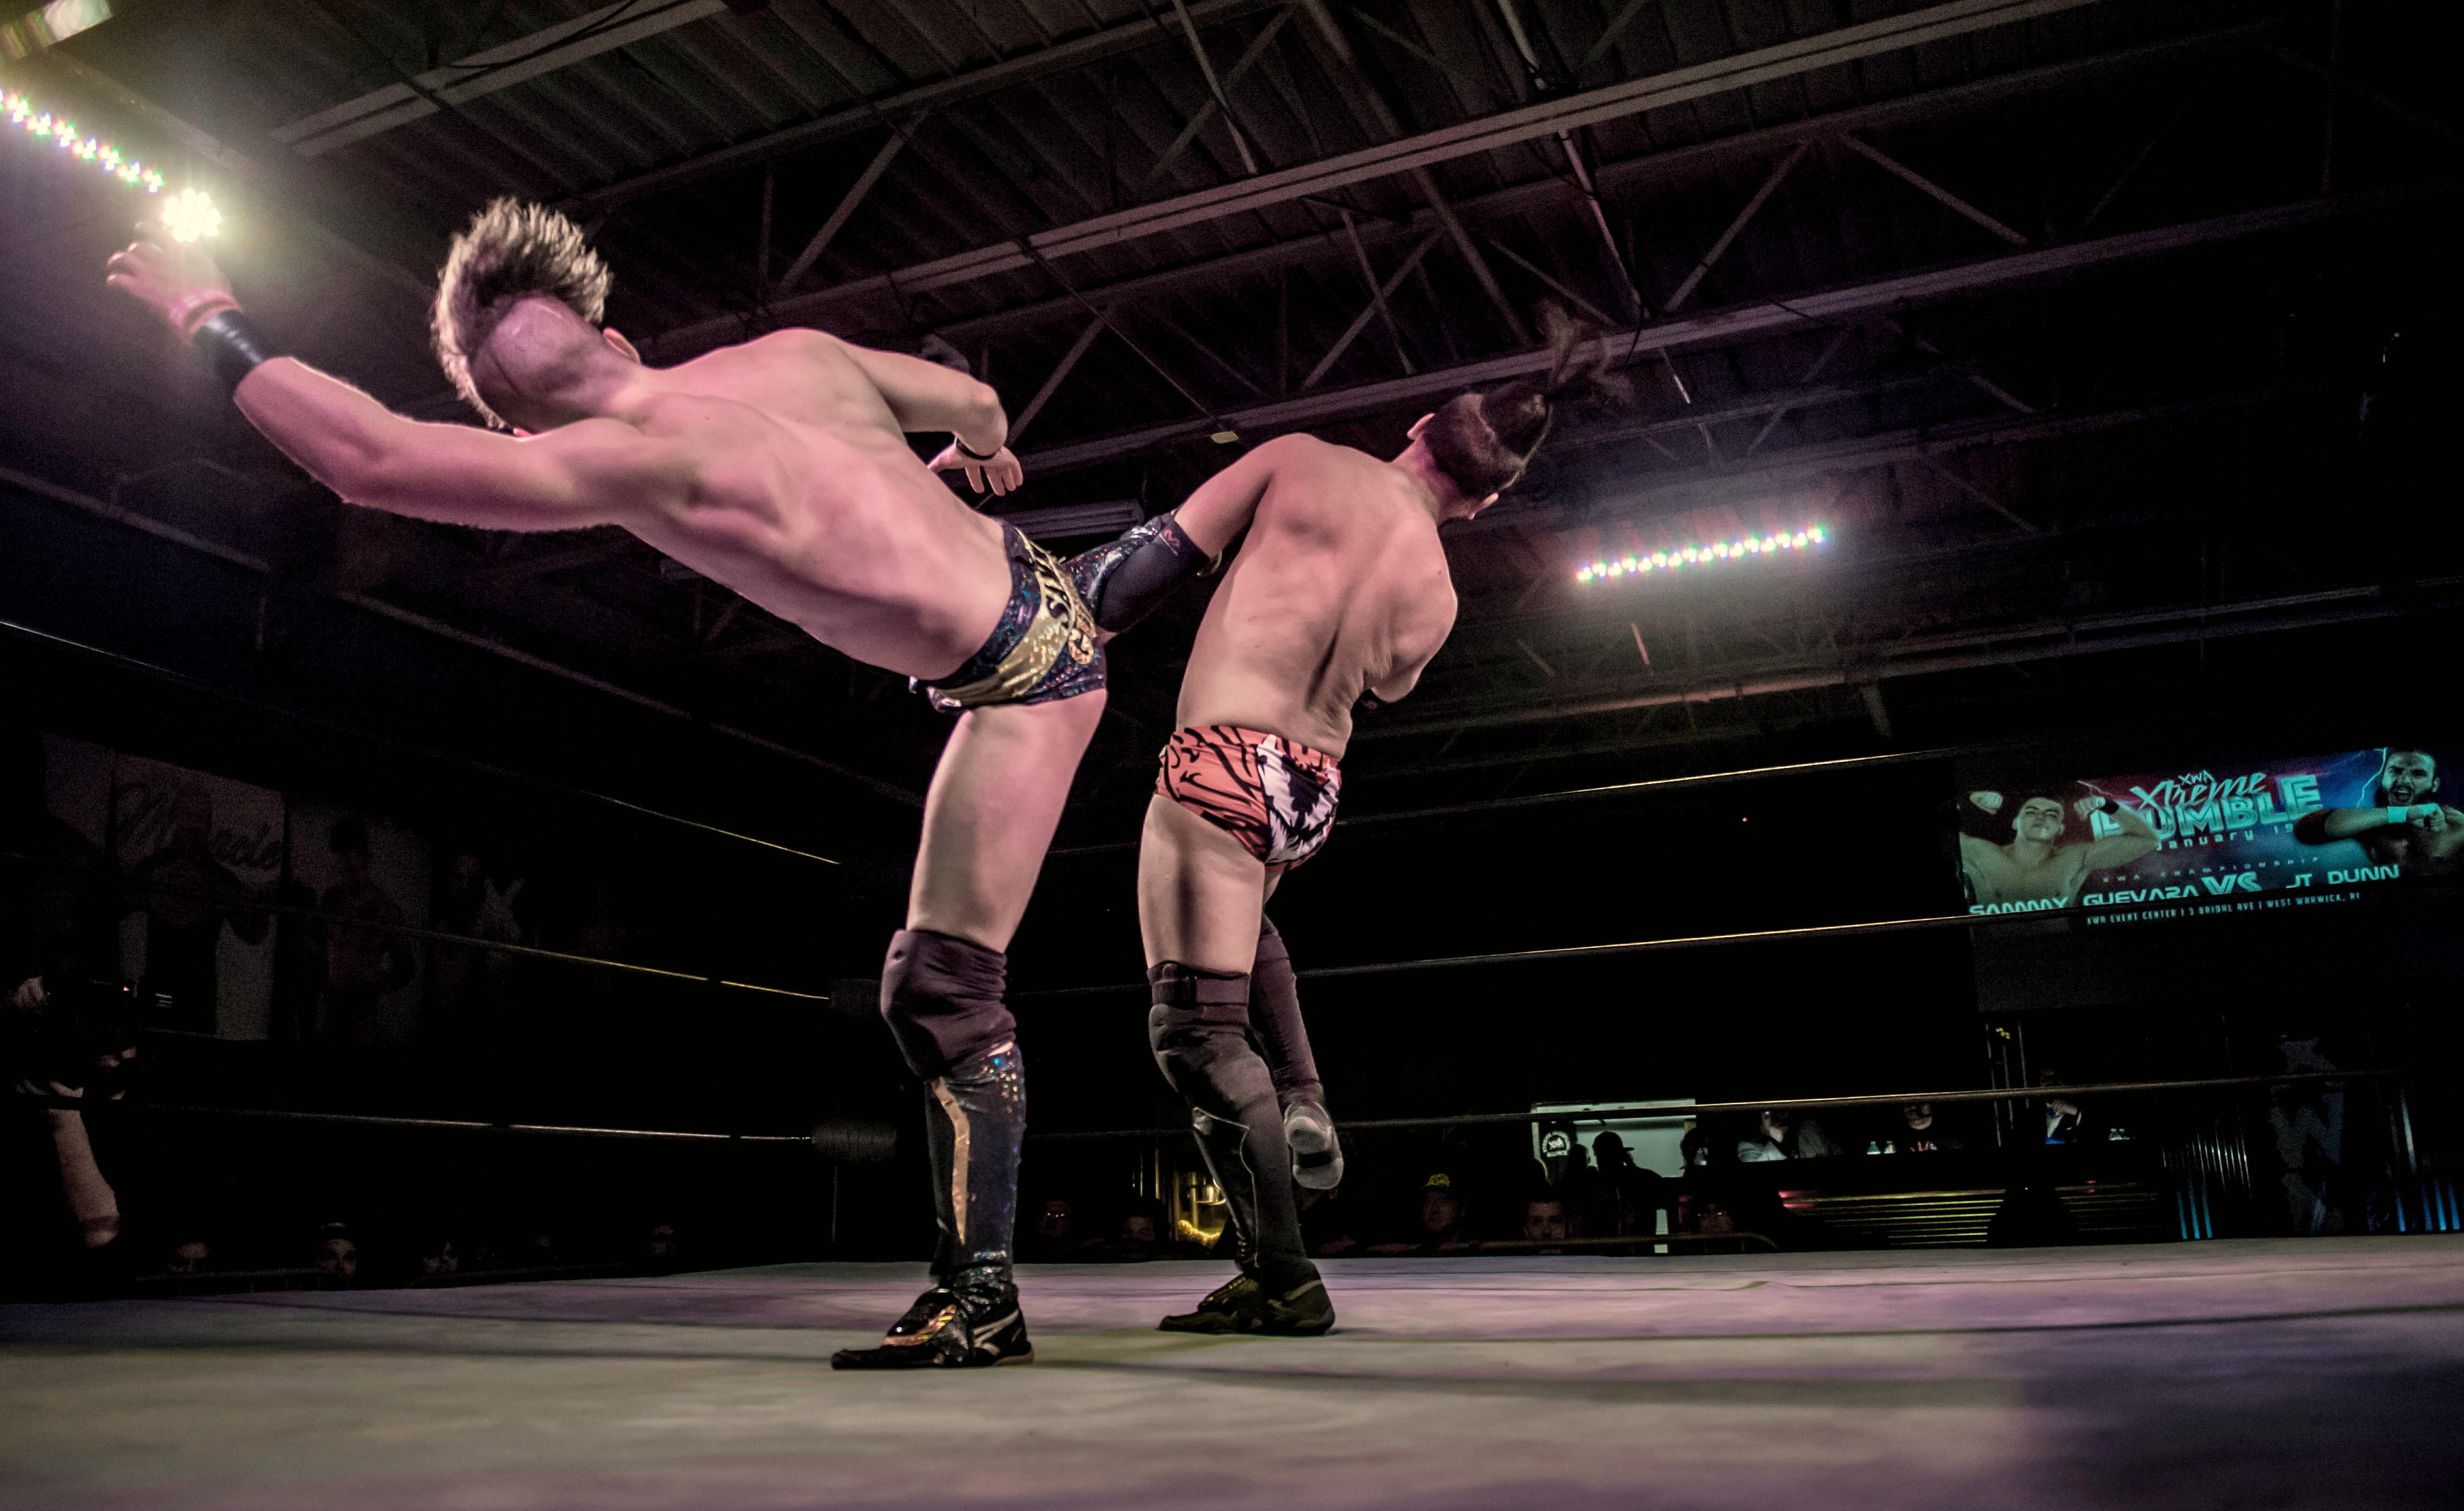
pixel 1629 1111
pixel 182 679
pixel 131 886
pixel 1887 926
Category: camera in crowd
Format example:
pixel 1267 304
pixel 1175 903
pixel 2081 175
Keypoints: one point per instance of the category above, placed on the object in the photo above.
pixel 76 1034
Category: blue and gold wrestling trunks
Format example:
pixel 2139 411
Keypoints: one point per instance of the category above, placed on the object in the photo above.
pixel 1043 650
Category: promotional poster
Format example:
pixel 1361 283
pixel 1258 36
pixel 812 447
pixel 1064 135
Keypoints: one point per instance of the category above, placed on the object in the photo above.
pixel 2205 839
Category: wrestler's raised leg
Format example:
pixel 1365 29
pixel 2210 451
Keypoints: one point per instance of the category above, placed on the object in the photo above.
pixel 1200 894
pixel 989 817
pixel 1283 1038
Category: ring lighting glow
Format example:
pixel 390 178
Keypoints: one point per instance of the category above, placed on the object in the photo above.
pixel 1636 563
pixel 63 134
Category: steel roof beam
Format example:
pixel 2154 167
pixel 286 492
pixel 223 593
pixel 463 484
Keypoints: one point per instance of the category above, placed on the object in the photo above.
pixel 524 58
pixel 1519 199
pixel 1796 311
pixel 866 114
pixel 1406 154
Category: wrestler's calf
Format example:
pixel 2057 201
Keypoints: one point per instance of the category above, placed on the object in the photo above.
pixel 1199 1028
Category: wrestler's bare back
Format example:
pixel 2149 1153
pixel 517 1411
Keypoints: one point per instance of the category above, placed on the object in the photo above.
pixel 819 510
pixel 778 468
pixel 1341 588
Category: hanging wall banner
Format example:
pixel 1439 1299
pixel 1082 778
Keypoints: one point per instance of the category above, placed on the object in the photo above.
pixel 2300 831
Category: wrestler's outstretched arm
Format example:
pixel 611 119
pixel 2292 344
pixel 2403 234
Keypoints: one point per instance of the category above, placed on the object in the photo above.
pixel 2327 826
pixel 591 472
pixel 927 396
pixel 2136 839
pixel 1223 506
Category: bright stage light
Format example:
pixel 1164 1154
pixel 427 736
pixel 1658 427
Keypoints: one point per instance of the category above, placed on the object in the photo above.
pixel 1636 562
pixel 190 214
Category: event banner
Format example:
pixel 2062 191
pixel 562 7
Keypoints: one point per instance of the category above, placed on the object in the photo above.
pixel 2203 839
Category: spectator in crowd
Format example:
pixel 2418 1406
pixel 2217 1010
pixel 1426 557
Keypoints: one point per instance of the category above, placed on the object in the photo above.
pixel 2307 1119
pixel 1442 1212
pixel 188 1257
pixel 185 924
pixel 1783 1135
pixel 1326 1230
pixel 662 1251
pixel 62 1050
pixel 362 963
pixel 1545 1220
pixel 1610 1155
pixel 1916 1134
pixel 2067 1120
pixel 1055 1237
pixel 1144 1233
pixel 337 1256
pixel 439 1261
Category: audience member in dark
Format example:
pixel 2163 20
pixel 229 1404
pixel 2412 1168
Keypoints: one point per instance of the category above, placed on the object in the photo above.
pixel 1545 1220
pixel 662 1251
pixel 1326 1230
pixel 439 1261
pixel 188 1257
pixel 62 1049
pixel 185 924
pixel 337 1256
pixel 2307 1119
pixel 2067 1119
pixel 1141 1234
pixel 1440 1231
pixel 1055 1239
pixel 361 964
pixel 1610 1156
pixel 1784 1135
pixel 1917 1134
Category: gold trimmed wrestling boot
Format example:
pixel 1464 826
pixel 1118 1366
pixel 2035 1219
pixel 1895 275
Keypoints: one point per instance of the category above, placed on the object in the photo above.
pixel 950 1329
pixel 1243 1305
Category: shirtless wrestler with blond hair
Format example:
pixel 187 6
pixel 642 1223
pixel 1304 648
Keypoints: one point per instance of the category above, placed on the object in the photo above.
pixel 779 467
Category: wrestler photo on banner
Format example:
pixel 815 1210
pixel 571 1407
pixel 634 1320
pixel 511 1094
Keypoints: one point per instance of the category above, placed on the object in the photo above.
pixel 2213 835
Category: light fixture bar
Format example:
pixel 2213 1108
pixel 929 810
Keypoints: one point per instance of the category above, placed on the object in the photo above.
pixel 1635 563
pixel 63 133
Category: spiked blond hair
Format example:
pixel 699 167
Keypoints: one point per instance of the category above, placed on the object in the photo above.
pixel 511 251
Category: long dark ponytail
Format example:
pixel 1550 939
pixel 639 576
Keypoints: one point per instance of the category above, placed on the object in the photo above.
pixel 1485 438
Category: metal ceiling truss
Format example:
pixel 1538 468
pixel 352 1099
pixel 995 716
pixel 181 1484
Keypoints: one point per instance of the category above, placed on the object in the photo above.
pixel 1410 156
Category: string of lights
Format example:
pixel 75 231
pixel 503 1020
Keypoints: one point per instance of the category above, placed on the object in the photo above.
pixel 188 216
pixel 1636 563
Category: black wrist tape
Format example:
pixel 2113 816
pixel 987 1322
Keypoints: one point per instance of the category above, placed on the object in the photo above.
pixel 233 344
pixel 970 453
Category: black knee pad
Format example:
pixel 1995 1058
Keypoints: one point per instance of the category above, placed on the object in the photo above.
pixel 941 997
pixel 1196 1016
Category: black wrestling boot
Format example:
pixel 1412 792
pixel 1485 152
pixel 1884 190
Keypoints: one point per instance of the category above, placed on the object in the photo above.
pixel 1199 1028
pixel 965 1327
pixel 1283 1040
pixel 1244 1306
pixel 1225 1300
pixel 973 1125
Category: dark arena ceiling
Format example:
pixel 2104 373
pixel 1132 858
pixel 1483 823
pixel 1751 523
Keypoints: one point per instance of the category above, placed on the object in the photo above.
pixel 2101 339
